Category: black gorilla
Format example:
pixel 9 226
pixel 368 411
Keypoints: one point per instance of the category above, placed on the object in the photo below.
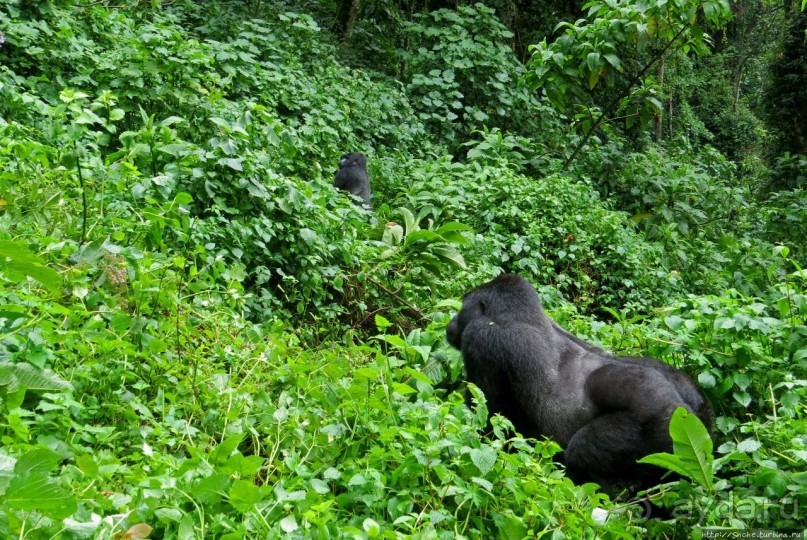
pixel 352 176
pixel 606 411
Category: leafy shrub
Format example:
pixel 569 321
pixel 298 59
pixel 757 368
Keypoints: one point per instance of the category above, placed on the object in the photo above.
pixel 553 230
pixel 788 173
pixel 693 205
pixel 785 220
pixel 462 74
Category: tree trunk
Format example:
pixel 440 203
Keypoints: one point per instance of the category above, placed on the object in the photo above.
pixel 660 114
pixel 346 16
pixel 670 127
pixel 738 79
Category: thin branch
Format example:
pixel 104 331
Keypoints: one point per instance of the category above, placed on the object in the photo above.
pixel 416 311
pixel 621 96
pixel 83 196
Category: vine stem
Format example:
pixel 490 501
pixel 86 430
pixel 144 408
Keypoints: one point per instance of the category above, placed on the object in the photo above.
pixel 83 196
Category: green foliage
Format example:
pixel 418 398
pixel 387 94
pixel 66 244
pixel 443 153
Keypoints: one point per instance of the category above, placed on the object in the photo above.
pixel 597 49
pixel 747 354
pixel 429 249
pixel 589 50
pixel 17 263
pixel 693 204
pixel 712 109
pixel 200 337
pixel 742 347
pixel 788 173
pixel 462 75
pixel 552 229
pixel 785 220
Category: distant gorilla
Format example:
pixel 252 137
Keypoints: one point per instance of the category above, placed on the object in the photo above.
pixel 352 177
pixel 605 411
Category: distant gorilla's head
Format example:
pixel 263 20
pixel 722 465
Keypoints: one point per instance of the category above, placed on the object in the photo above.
pixel 353 159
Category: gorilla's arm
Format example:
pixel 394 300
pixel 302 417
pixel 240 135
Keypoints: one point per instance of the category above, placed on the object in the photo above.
pixel 340 179
pixel 500 360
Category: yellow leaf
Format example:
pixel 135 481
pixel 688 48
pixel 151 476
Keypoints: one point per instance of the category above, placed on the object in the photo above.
pixel 137 532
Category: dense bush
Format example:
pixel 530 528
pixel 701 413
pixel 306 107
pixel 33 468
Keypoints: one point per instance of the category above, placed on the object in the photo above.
pixel 552 229
pixel 462 75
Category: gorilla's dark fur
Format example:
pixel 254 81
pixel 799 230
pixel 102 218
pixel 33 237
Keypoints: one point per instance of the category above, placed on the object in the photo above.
pixel 352 176
pixel 606 411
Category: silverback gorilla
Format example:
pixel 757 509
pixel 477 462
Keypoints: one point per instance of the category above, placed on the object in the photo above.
pixel 606 411
pixel 352 176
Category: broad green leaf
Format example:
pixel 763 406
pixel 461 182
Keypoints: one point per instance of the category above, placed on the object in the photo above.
pixel 176 149
pixel 743 398
pixel 403 389
pixel 394 340
pixel 371 527
pixel 233 163
pixel 613 60
pixel 221 454
pixel 320 486
pixel 409 221
pixel 244 466
pixel 452 232
pixel 593 61
pixel 450 255
pixel 692 450
pixel 38 492
pixel 393 234
pixel 288 524
pixel 68 95
pixel 38 460
pixel 18 263
pixel 367 372
pixel 14 377
pixel 422 234
pixel 706 380
pixel 511 528
pixel 749 446
pixel 7 464
pixel 171 120
pixel 781 251
pixel 308 235
pixel 382 323
pixel 210 490
pixel 673 322
pixel 244 495
pixel 484 458
pixel 482 482
pixel 88 117
pixel 418 376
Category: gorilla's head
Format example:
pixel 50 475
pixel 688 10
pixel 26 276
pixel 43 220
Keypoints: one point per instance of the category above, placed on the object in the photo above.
pixel 504 299
pixel 353 159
